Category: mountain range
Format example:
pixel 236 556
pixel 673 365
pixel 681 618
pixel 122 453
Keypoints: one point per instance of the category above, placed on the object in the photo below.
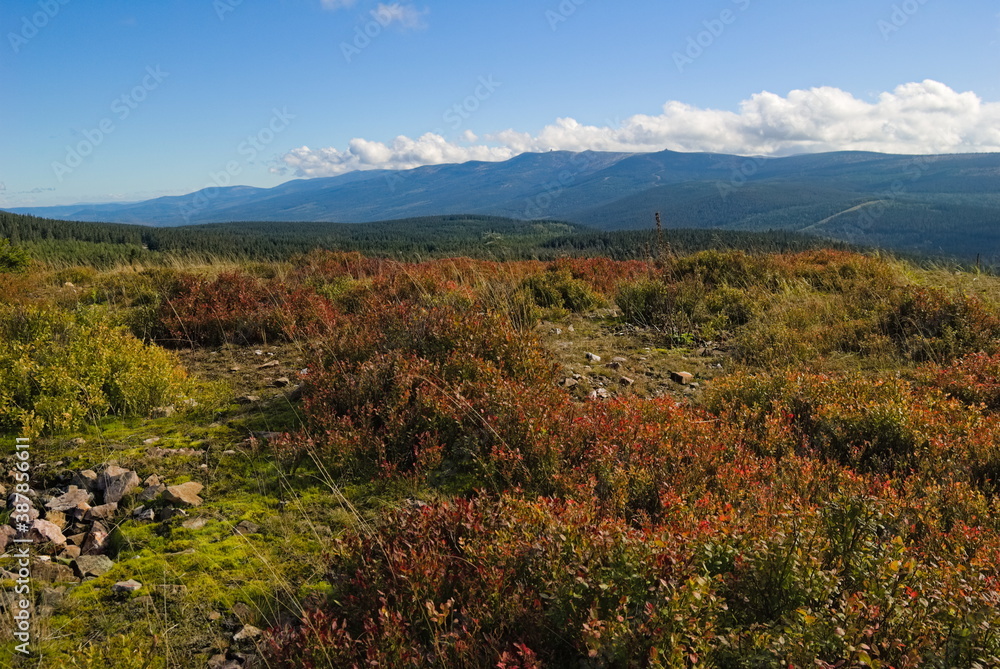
pixel 939 204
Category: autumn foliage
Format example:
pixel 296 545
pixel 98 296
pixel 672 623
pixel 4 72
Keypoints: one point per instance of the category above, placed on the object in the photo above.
pixel 830 502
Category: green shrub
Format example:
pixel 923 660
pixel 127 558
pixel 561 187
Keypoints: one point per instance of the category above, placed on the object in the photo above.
pixel 557 289
pixel 58 371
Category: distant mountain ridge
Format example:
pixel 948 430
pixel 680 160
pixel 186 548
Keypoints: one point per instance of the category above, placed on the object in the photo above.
pixel 927 203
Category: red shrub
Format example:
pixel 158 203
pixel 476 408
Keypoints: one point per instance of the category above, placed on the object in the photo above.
pixel 241 309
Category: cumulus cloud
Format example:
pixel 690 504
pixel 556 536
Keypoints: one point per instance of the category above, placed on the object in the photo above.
pixel 915 118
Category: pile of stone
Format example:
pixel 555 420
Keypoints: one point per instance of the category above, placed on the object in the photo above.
pixel 70 527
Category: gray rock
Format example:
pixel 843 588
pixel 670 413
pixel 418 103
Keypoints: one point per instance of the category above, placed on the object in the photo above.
pixel 73 497
pixel 626 381
pixel 86 479
pixel 152 492
pixel 116 482
pixel 102 512
pixel 281 382
pixel 144 515
pixel 92 565
pixel 247 399
pixel 194 523
pixel 593 357
pixel 245 527
pixel 163 412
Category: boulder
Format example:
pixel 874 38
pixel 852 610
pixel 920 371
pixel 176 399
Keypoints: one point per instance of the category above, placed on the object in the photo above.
pixel 152 492
pixel 72 499
pixel 53 572
pixel 185 494
pixel 86 479
pixel 116 482
pixel 102 512
pixel 593 357
pixel 42 532
pixel 245 527
pixel 96 541
pixel 682 378
pixel 92 565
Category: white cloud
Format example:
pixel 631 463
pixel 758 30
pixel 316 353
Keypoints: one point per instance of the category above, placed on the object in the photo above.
pixel 406 16
pixel 915 118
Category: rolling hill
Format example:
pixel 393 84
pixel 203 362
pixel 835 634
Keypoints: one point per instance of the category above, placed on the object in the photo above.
pixel 946 204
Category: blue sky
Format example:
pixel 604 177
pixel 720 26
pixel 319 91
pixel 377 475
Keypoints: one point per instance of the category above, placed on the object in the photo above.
pixel 171 96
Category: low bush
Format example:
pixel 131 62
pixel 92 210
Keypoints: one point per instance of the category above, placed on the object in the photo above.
pixel 241 309
pixel 59 371
pixel 937 325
